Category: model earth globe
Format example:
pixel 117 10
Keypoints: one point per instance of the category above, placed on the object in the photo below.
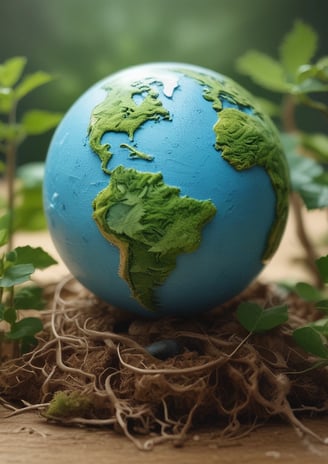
pixel 166 189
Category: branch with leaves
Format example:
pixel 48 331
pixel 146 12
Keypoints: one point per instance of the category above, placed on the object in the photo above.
pixel 299 81
pixel 14 86
pixel 17 265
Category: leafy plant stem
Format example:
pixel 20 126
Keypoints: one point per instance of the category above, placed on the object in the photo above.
pixel 11 155
pixel 17 264
pixel 11 161
pixel 290 126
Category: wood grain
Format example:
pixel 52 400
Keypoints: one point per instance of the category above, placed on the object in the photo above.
pixel 28 438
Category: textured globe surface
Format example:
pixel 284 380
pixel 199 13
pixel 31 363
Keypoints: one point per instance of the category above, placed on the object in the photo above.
pixel 166 189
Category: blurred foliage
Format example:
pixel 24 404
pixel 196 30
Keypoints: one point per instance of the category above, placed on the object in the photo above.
pixel 23 204
pixel 82 41
pixel 29 214
pixel 301 80
pixel 295 73
pixel 307 175
pixel 22 208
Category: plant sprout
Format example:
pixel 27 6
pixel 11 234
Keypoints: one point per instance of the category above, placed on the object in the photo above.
pixel 18 264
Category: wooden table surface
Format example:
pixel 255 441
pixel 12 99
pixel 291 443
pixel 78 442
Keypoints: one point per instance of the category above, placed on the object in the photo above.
pixel 28 439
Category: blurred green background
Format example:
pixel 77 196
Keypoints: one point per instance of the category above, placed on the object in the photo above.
pixel 83 41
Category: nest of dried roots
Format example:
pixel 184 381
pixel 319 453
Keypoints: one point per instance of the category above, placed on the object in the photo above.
pixel 93 365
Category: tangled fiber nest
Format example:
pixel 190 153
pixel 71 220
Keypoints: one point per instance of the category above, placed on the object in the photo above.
pixel 93 366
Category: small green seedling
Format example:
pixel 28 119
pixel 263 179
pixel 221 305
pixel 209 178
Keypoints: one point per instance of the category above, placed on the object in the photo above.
pixel 256 319
pixel 14 86
pixel 22 207
pixel 313 337
pixel 16 268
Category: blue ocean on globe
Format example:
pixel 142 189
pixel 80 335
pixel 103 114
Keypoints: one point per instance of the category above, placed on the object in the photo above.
pixel 186 140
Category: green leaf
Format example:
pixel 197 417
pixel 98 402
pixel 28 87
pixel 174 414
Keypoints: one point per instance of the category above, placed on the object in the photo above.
pixel 31 174
pixel 4 221
pixel 16 274
pixel 322 265
pixel 264 70
pixel 29 298
pixel 256 319
pixel 307 292
pixel 321 325
pixel 4 229
pixel 322 305
pixel 27 344
pixel 302 169
pixel 11 257
pixel 38 258
pixel 2 312
pixel 29 214
pixel 315 195
pixel 323 178
pixel 12 132
pixel 298 47
pixel 311 341
pixel 317 144
pixel 10 315
pixel 305 174
pixel 11 70
pixel 323 62
pixel 269 107
pixel 306 71
pixel 3 237
pixel 26 327
pixel 318 71
pixel 37 122
pixel 7 99
pixel 31 82
pixel 310 86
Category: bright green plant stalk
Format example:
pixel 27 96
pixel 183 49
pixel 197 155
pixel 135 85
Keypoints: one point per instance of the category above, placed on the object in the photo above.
pixel 18 264
pixel 13 87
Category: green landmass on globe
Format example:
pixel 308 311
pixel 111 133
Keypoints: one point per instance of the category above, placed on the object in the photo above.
pixel 146 219
pixel 120 113
pixel 151 225
pixel 247 141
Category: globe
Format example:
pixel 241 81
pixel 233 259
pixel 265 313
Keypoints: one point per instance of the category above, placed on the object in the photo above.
pixel 166 189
